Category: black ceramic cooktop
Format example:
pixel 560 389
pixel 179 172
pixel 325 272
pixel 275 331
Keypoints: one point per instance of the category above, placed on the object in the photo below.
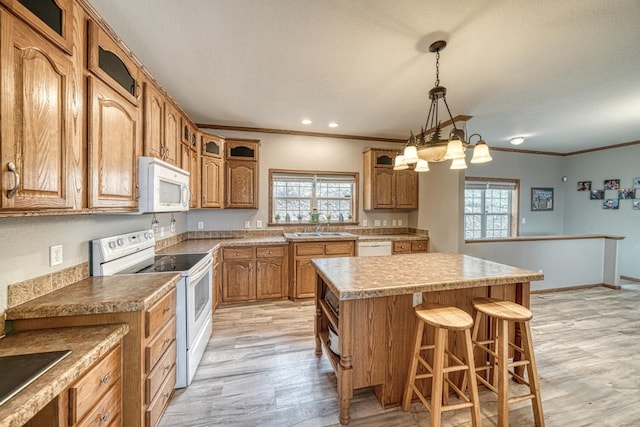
pixel 178 262
pixel 18 371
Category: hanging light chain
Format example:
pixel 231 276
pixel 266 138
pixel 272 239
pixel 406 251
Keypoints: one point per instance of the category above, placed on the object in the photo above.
pixel 437 68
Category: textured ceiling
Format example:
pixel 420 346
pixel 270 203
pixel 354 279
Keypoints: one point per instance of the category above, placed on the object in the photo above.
pixel 564 74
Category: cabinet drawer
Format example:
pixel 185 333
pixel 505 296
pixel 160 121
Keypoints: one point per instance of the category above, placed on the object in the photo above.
pixel 156 408
pixel 159 314
pixel 339 248
pixel 419 246
pixel 237 253
pixel 107 411
pixel 270 252
pixel 159 373
pixel 310 249
pixel 94 384
pixel 401 247
pixel 156 348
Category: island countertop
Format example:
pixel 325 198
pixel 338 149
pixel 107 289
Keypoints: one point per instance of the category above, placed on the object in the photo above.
pixel 369 277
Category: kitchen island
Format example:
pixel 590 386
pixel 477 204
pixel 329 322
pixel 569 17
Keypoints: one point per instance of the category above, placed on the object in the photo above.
pixel 374 316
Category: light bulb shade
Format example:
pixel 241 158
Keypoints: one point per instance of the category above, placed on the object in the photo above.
pixel 422 166
pixel 481 153
pixel 455 149
pixel 410 155
pixel 399 164
pixel 517 140
pixel 458 164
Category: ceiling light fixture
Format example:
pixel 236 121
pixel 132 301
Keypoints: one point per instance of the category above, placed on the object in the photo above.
pixel 333 125
pixel 517 140
pixel 306 121
pixel 428 147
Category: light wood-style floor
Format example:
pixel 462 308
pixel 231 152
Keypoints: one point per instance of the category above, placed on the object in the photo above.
pixel 260 369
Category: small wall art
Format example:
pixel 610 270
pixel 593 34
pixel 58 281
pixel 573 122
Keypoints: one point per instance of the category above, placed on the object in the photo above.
pixel 636 182
pixel 596 195
pixel 584 185
pixel 610 204
pixel 626 193
pixel 636 205
pixel 542 199
pixel 611 184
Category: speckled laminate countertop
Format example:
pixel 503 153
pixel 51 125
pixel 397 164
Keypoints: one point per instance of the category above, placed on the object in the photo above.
pixel 369 277
pixel 104 294
pixel 87 345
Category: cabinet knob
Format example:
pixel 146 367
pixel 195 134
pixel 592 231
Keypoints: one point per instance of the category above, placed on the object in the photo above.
pixel 104 418
pixel 105 379
pixel 167 340
pixel 166 309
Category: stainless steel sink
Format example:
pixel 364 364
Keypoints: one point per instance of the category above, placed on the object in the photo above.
pixel 323 234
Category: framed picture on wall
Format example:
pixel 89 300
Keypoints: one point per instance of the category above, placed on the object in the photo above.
pixel 584 185
pixel 611 184
pixel 596 195
pixel 542 199
pixel 636 205
pixel 636 182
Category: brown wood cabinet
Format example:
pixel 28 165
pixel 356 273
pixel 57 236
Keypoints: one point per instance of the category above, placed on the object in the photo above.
pixel 241 177
pixel 410 247
pixel 189 162
pixel 385 188
pixel 212 171
pixel 148 370
pixel 171 135
pixel 161 126
pixel 254 273
pixel 303 275
pixel 114 144
pixel 41 143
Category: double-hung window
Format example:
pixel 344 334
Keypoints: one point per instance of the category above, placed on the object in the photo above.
pixel 490 208
pixel 298 196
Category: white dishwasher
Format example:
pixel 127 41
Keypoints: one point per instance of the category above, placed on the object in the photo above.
pixel 374 248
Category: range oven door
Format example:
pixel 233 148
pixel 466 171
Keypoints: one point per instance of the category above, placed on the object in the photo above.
pixel 199 301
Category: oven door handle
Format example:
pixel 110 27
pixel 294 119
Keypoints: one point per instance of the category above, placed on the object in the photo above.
pixel 202 269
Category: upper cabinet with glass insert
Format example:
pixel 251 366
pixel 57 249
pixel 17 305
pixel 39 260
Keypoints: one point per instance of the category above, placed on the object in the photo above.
pixel 112 65
pixel 51 18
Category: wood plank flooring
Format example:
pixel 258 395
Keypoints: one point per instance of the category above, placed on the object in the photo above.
pixel 260 369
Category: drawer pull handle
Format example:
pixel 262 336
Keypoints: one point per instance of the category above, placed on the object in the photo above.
pixel 237 253
pixel 166 368
pixel 166 309
pixel 104 418
pixel 167 340
pixel 105 379
pixel 166 395
pixel 12 168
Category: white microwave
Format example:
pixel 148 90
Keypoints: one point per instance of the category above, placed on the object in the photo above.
pixel 163 187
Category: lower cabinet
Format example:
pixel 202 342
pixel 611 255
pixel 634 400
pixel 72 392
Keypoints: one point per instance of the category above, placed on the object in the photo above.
pixel 303 274
pixel 148 373
pixel 410 247
pixel 254 273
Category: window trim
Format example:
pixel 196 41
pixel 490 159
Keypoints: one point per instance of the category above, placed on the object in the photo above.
pixel 515 207
pixel 356 192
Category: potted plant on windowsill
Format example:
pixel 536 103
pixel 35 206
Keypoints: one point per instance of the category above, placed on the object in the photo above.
pixel 328 217
pixel 277 217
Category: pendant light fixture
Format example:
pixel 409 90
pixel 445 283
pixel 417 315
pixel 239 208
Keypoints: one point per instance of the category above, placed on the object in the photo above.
pixel 428 147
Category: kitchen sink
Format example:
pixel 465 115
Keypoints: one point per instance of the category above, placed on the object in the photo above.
pixel 323 234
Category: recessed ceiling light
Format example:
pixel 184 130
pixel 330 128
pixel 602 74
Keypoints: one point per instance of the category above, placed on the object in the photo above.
pixel 306 121
pixel 333 125
pixel 517 140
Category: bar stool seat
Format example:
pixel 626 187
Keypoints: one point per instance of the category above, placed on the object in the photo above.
pixel 443 319
pixel 501 314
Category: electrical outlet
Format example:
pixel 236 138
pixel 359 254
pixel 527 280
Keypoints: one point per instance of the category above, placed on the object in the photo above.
pixel 200 225
pixel 524 220
pixel 258 224
pixel 384 223
pixel 161 231
pixel 365 223
pixel 247 224
pixel 417 299
pixel 399 223
pixel 376 223
pixel 394 222
pixel 55 255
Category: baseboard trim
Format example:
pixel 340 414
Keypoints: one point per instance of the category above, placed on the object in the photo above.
pixel 569 288
pixel 631 279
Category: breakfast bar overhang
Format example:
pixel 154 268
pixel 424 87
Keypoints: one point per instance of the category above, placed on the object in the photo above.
pixel 374 318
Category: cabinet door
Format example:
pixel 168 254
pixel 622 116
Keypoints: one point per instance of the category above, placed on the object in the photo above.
pixel 270 277
pixel 153 122
pixel 194 179
pixel 41 142
pixel 212 178
pixel 241 184
pixel 172 135
pixel 114 144
pixel 305 286
pixel 406 188
pixel 383 188
pixel 238 281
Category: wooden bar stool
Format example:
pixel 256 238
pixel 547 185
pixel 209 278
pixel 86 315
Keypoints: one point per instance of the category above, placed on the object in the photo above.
pixel 443 319
pixel 501 314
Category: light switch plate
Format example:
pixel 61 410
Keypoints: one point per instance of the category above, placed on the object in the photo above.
pixel 200 225
pixel 376 223
pixel 384 222
pixel 365 223
pixel 247 224
pixel 399 223
pixel 258 224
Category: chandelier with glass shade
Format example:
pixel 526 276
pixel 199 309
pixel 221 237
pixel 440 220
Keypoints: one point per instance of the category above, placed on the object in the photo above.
pixel 428 145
